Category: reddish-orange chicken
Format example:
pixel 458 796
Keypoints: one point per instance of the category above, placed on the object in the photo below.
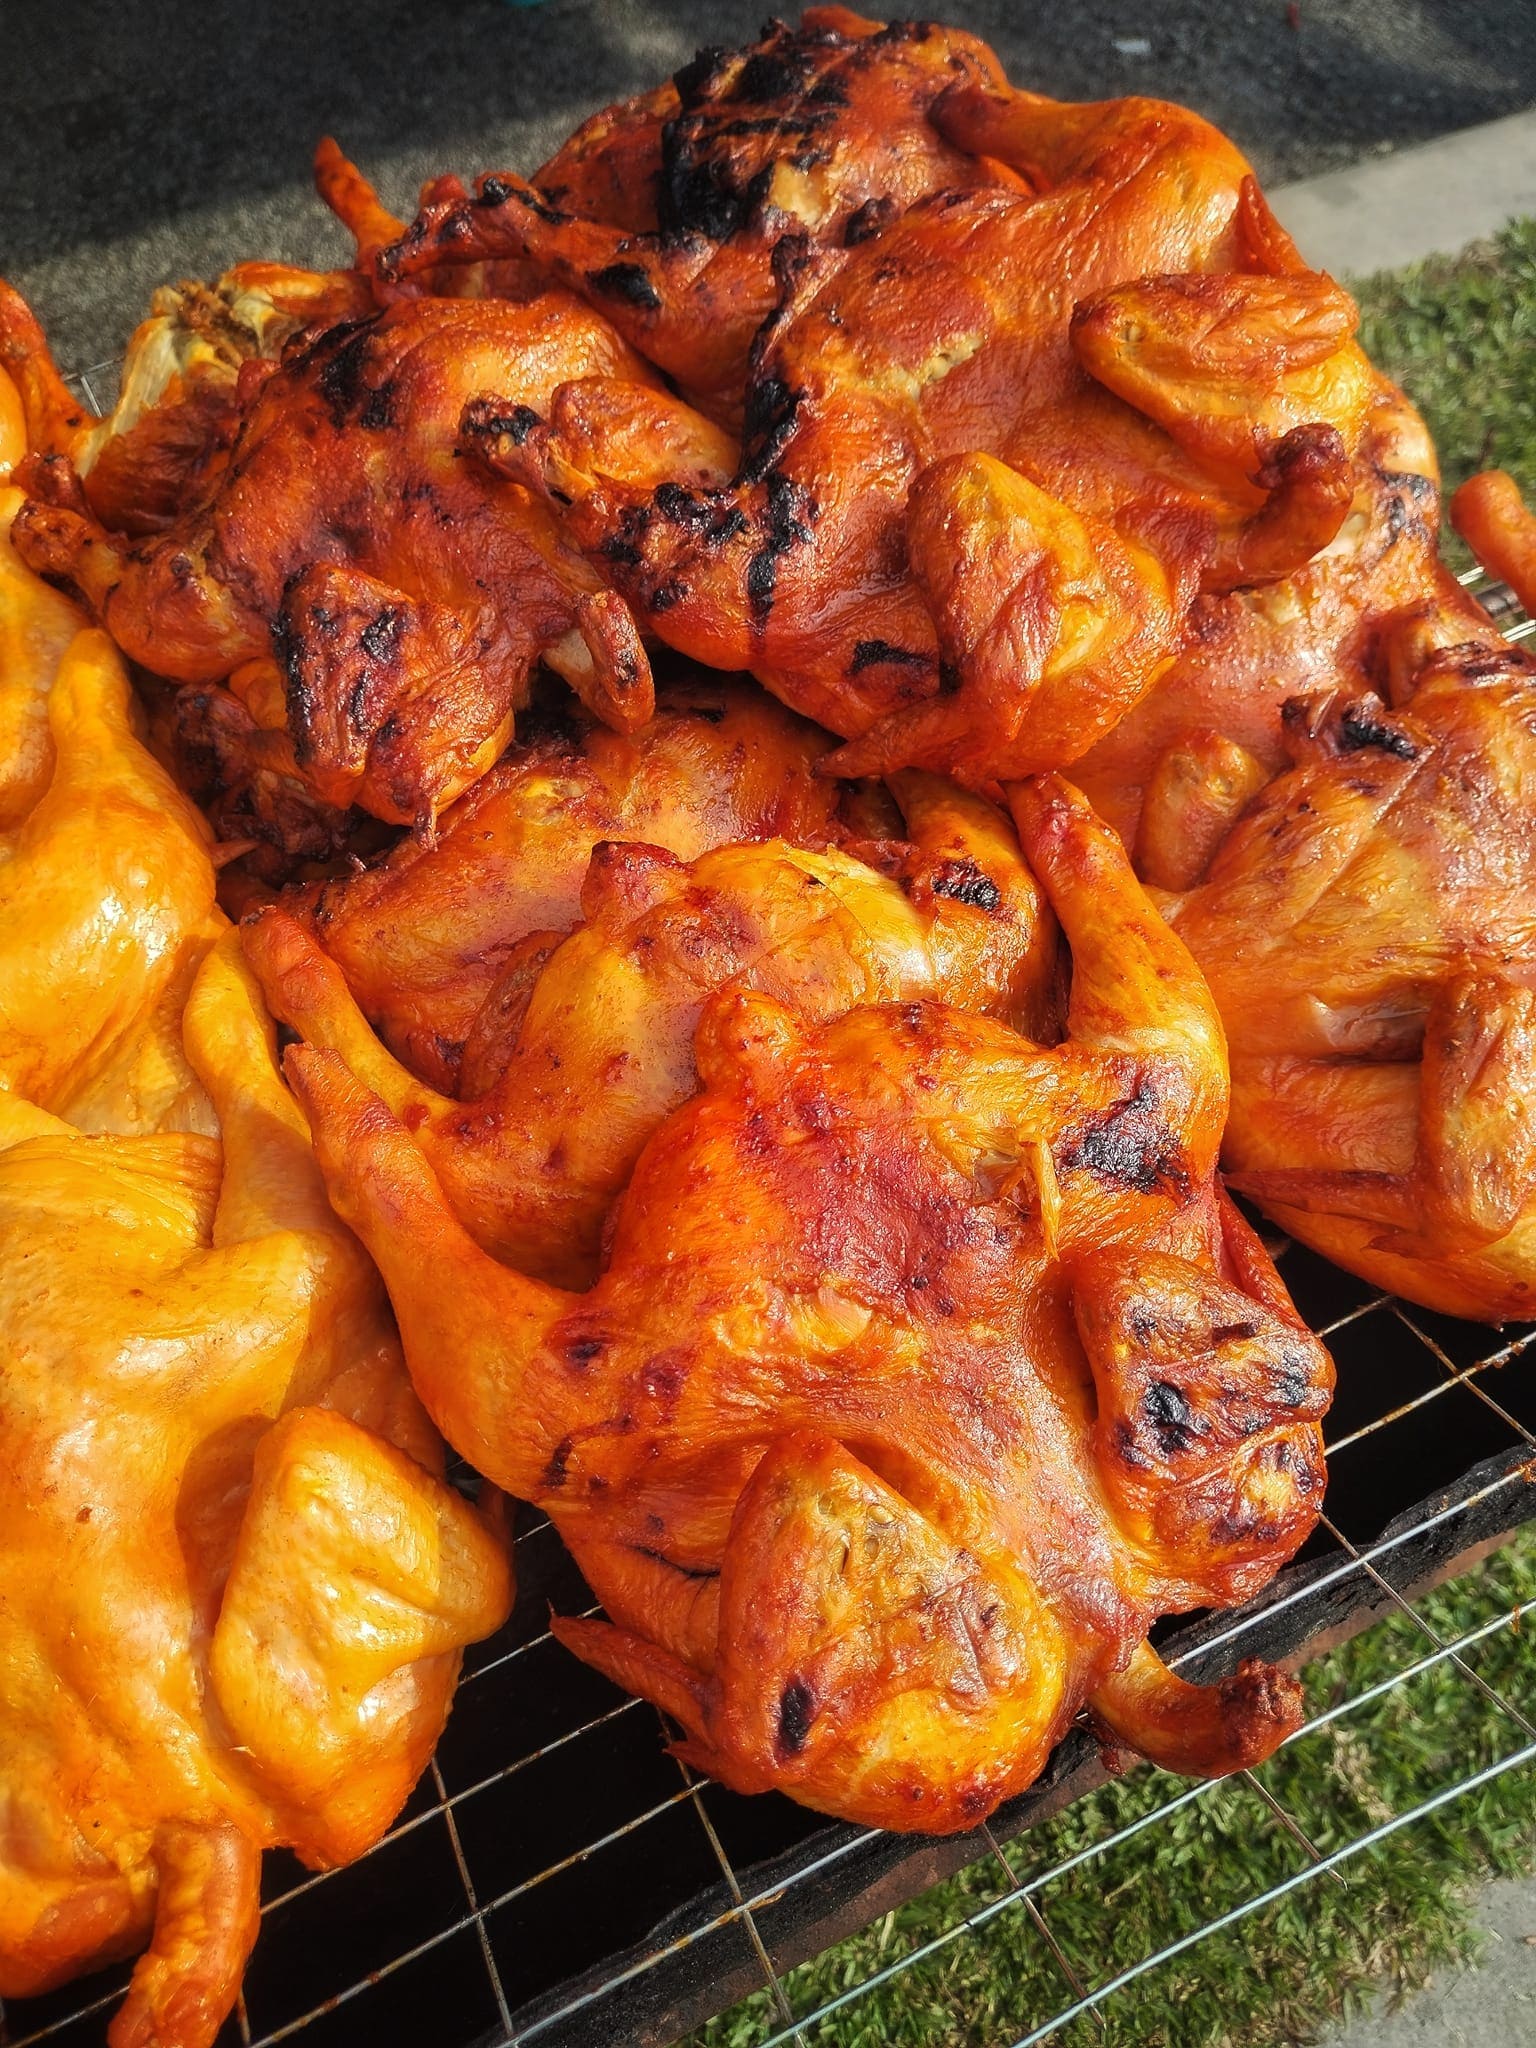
pixel 406 594
pixel 596 1046
pixel 994 452
pixel 927 1367
pixel 665 212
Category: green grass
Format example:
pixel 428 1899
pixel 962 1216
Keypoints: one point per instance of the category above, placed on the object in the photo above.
pixel 1461 337
pixel 1279 1974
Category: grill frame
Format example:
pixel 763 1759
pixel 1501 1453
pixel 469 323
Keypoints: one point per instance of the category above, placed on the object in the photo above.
pixel 776 1886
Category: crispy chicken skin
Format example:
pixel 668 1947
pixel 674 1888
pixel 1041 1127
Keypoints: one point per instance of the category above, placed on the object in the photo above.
pixel 235 1588
pixel 596 1048
pixel 993 452
pixel 1367 931
pixel 405 593
pixel 426 936
pixel 927 1367
pixel 665 212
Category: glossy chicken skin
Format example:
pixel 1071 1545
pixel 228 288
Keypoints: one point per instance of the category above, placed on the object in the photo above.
pixel 427 936
pixel 665 212
pixel 1368 935
pixel 927 1367
pixel 405 595
pixel 36 627
pixel 994 452
pixel 235 1588
pixel 179 404
pixel 106 910
pixel 597 1047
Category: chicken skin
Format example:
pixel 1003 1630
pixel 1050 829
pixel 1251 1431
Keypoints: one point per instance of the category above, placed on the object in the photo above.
pixel 927 1367
pixel 235 1587
pixel 106 910
pixel 427 935
pixel 665 212
pixel 1368 935
pixel 598 1047
pixel 994 452
pixel 405 594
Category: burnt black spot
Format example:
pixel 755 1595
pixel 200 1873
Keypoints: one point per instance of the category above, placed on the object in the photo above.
pixel 951 682
pixel 700 74
pixel 1172 1421
pixel 676 505
pixel 786 521
pixel 494 191
pixel 1129 1145
pixel 1234 1333
pixel 340 381
pixel 965 883
pixel 665 595
pixel 380 638
pixel 872 653
pixel 582 1350
pixel 517 424
pixel 694 197
pixel 868 220
pixel 797 1710
pixel 828 91
pixel 379 413
pixel 770 75
pixel 1358 729
pixel 772 406
pixel 559 1462
pixel 628 282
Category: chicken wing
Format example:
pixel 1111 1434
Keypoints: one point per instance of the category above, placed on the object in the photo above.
pixel 995 451
pixel 405 595
pixel 598 1047
pixel 665 212
pixel 235 1587
pixel 926 1368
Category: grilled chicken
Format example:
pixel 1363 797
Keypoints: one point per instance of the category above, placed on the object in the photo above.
pixel 405 594
pixel 927 1367
pixel 597 1047
pixel 994 452
pixel 665 212
pixel 235 1586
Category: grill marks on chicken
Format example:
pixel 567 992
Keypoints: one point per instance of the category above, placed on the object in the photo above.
pixel 404 595
pixel 900 1407
pixel 1009 438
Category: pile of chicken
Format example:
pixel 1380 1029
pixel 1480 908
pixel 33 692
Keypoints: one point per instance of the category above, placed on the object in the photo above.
pixel 790 1148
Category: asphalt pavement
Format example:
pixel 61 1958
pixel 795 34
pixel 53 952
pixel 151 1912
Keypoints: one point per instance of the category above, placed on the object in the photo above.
pixel 155 140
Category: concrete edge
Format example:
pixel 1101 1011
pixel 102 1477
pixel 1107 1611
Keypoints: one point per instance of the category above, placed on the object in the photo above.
pixel 1427 201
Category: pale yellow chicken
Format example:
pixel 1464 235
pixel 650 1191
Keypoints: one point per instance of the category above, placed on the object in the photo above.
pixel 235 1587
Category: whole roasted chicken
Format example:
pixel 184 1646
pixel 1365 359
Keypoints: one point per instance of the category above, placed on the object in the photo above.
pixel 405 593
pixel 928 1365
pixel 994 452
pixel 235 1585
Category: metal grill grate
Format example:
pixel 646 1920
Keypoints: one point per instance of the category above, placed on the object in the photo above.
pixel 557 1878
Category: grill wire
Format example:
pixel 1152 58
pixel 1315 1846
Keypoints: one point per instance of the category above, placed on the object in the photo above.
pixel 431 1940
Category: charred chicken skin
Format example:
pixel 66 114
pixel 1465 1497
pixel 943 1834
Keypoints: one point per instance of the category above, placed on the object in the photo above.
pixel 405 594
pixel 235 1587
pixel 928 1365
pixel 994 452
pixel 597 1047
pixel 664 212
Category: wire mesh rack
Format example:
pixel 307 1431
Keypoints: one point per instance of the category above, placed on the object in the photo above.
pixel 557 1878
